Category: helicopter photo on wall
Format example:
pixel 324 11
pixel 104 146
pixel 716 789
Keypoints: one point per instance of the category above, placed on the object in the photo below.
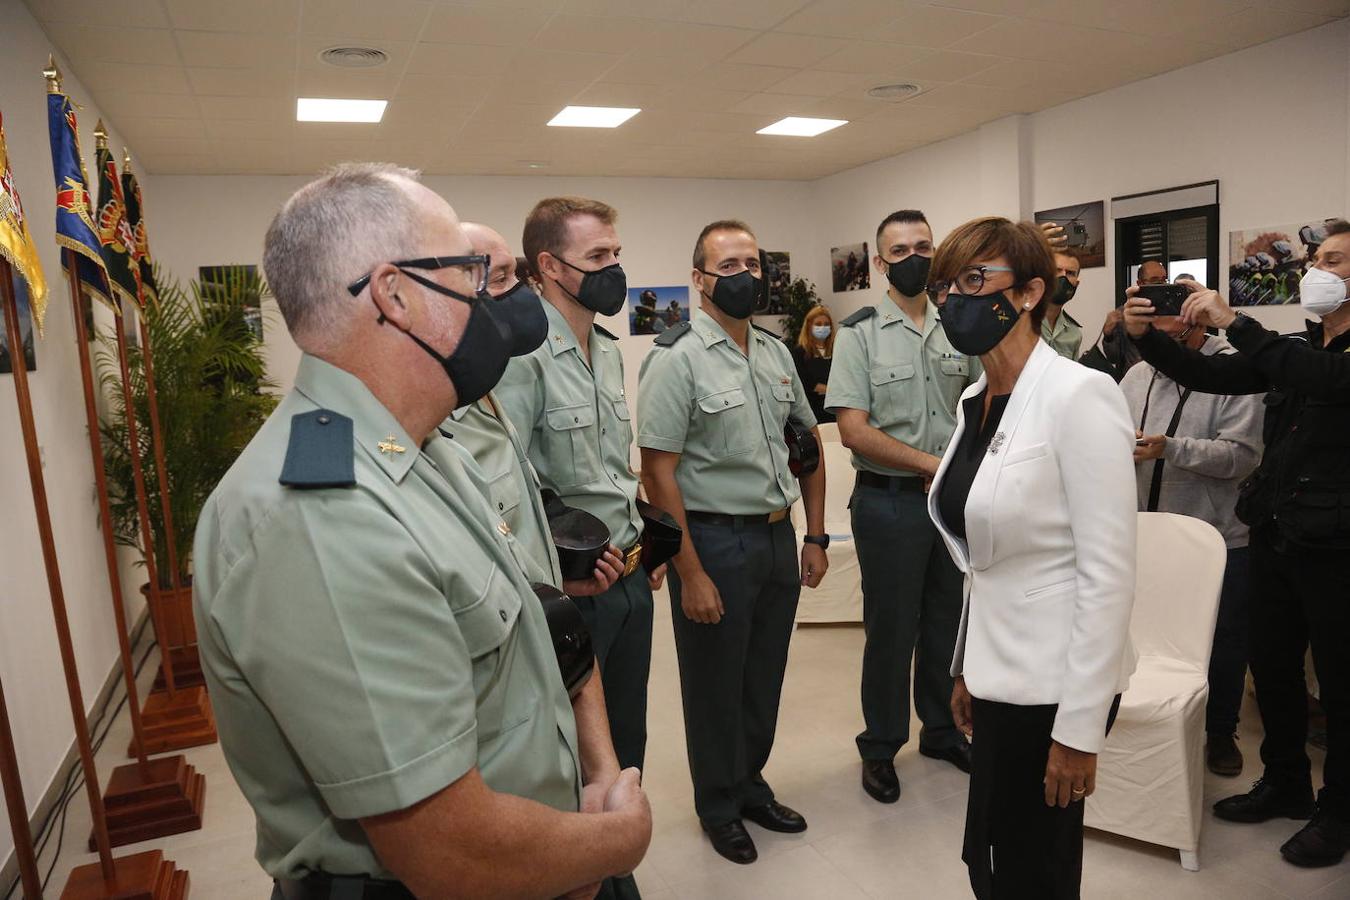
pixel 1084 225
pixel 1265 265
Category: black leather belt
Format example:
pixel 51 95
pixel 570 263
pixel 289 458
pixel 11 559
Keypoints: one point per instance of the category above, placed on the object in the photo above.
pixel 891 483
pixel 322 886
pixel 731 521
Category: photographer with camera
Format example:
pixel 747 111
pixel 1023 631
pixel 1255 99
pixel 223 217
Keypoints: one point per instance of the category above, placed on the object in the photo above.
pixel 1297 505
pixel 1191 453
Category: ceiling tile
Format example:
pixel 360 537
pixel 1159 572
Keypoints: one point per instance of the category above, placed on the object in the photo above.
pixel 222 49
pixel 457 59
pixel 118 105
pixel 1254 26
pixel 1051 42
pixel 816 83
pixel 627 95
pixel 270 109
pixel 1319 7
pixel 737 77
pixel 793 50
pixel 594 34
pixel 221 129
pixel 141 46
pixel 700 97
pixel 564 64
pixel 105 13
pixel 646 9
pixel 653 68
pixel 135 130
pixel 758 14
pixel 166 79
pixel 241 82
pixel 494 27
pixel 1150 17
pixel 178 164
pixel 775 106
pixel 362 84
pixel 841 18
pixel 932 26
pixel 950 65
pixel 399 20
pixel 541 92
pixel 870 57
pixel 255 16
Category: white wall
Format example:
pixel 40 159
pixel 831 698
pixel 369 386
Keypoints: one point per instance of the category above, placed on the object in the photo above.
pixel 30 667
pixel 198 221
pixel 1269 122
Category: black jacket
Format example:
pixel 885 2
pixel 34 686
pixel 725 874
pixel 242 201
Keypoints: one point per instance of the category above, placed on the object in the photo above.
pixel 1303 483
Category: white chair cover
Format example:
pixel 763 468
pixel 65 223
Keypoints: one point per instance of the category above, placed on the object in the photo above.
pixel 1150 774
pixel 839 596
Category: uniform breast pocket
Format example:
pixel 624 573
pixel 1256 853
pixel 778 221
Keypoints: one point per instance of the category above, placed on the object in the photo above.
pixel 624 419
pixel 895 397
pixel 784 395
pixel 486 625
pixel 956 366
pixel 571 454
pixel 504 493
pixel 726 418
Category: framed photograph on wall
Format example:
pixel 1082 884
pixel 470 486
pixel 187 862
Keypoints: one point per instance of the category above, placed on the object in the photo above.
pixel 1265 265
pixel 651 310
pixel 850 268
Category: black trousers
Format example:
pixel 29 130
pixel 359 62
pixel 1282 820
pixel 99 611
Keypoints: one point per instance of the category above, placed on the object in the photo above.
pixel 731 673
pixel 911 610
pixel 1228 659
pixel 1017 847
pixel 1301 597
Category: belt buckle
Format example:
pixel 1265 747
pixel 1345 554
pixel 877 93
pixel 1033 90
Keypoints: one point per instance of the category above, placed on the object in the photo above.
pixel 632 558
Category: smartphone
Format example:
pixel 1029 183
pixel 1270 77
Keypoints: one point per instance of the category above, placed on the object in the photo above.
pixel 1141 442
pixel 1166 298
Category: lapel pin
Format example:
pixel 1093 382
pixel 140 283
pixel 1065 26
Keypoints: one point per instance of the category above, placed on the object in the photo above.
pixel 996 443
pixel 389 447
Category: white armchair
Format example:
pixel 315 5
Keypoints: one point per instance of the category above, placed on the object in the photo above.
pixel 839 596
pixel 1150 773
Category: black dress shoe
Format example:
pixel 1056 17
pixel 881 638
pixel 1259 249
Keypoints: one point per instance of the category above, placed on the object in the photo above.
pixel 1266 801
pixel 1223 756
pixel 957 754
pixel 774 816
pixel 880 781
pixel 1322 842
pixel 733 842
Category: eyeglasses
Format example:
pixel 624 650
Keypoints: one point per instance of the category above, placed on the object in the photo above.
pixel 475 267
pixel 969 281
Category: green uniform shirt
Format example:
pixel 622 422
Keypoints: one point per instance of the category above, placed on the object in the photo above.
pixel 724 413
pixel 909 381
pixel 513 485
pixel 1065 337
pixel 368 643
pixel 574 422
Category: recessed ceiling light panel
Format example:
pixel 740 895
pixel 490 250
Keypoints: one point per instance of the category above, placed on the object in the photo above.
pixel 802 126
pixel 316 109
pixel 593 116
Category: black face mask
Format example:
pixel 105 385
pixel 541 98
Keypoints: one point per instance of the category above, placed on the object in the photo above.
pixel 734 294
pixel 976 323
pixel 521 312
pixel 480 358
pixel 602 290
pixel 1064 291
pixel 909 276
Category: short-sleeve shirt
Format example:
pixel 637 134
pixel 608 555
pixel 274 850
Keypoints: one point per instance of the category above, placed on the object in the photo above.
pixel 574 421
pixel 724 411
pixel 369 643
pixel 512 484
pixel 1065 337
pixel 908 380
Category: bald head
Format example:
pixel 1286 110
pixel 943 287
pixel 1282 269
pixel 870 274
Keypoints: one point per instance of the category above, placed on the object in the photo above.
pixel 485 240
pixel 1152 272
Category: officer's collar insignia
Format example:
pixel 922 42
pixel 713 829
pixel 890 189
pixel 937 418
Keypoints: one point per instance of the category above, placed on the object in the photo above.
pixel 785 381
pixel 996 442
pixel 558 338
pixel 388 446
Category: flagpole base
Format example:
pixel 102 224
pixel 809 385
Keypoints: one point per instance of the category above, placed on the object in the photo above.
pixel 141 876
pixel 176 721
pixel 141 806
pixel 187 669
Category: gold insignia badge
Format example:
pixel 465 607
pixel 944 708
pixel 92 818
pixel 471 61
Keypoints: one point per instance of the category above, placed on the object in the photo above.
pixel 388 446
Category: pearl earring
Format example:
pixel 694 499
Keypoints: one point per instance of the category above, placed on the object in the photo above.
pixel 1026 306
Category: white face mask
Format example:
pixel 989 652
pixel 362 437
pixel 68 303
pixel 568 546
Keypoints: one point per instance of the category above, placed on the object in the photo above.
pixel 1321 293
pixel 821 332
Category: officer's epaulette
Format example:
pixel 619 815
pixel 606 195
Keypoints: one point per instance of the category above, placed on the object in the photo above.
pixel 321 452
pixel 861 315
pixel 605 331
pixel 773 334
pixel 672 334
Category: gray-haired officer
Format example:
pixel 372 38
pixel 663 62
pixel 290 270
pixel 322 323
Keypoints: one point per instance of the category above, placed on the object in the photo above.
pixel 385 686
pixel 894 387
pixel 567 402
pixel 714 400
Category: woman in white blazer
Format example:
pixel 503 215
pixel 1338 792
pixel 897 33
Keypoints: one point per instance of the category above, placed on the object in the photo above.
pixel 1035 499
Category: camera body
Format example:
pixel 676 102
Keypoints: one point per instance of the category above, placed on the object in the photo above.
pixel 1166 298
pixel 1077 234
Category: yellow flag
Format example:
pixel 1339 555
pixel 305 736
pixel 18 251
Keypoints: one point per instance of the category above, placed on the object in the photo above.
pixel 16 244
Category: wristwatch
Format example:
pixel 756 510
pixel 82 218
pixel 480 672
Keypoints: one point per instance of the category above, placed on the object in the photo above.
pixel 820 540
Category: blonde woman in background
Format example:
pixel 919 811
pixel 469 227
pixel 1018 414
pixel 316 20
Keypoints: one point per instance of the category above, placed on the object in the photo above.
pixel 812 355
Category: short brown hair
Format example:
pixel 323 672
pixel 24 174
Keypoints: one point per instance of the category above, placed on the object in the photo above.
pixel 546 225
pixel 1337 226
pixel 1022 244
pixel 700 254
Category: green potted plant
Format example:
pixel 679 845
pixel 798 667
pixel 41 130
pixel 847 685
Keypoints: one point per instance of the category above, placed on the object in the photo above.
pixel 213 394
pixel 799 298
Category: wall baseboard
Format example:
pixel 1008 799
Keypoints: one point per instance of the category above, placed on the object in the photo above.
pixel 141 638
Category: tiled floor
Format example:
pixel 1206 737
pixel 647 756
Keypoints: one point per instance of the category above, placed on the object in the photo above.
pixel 855 848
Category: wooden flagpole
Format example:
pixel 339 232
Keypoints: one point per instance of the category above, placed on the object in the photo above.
pixel 10 782
pixel 151 798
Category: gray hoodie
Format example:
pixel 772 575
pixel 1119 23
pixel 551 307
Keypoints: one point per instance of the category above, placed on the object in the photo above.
pixel 1217 444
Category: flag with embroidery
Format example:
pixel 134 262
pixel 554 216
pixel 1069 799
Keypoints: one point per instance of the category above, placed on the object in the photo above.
pixel 16 243
pixel 116 238
pixel 75 228
pixel 131 195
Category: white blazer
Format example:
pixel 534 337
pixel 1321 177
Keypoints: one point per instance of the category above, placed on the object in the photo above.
pixel 1050 550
